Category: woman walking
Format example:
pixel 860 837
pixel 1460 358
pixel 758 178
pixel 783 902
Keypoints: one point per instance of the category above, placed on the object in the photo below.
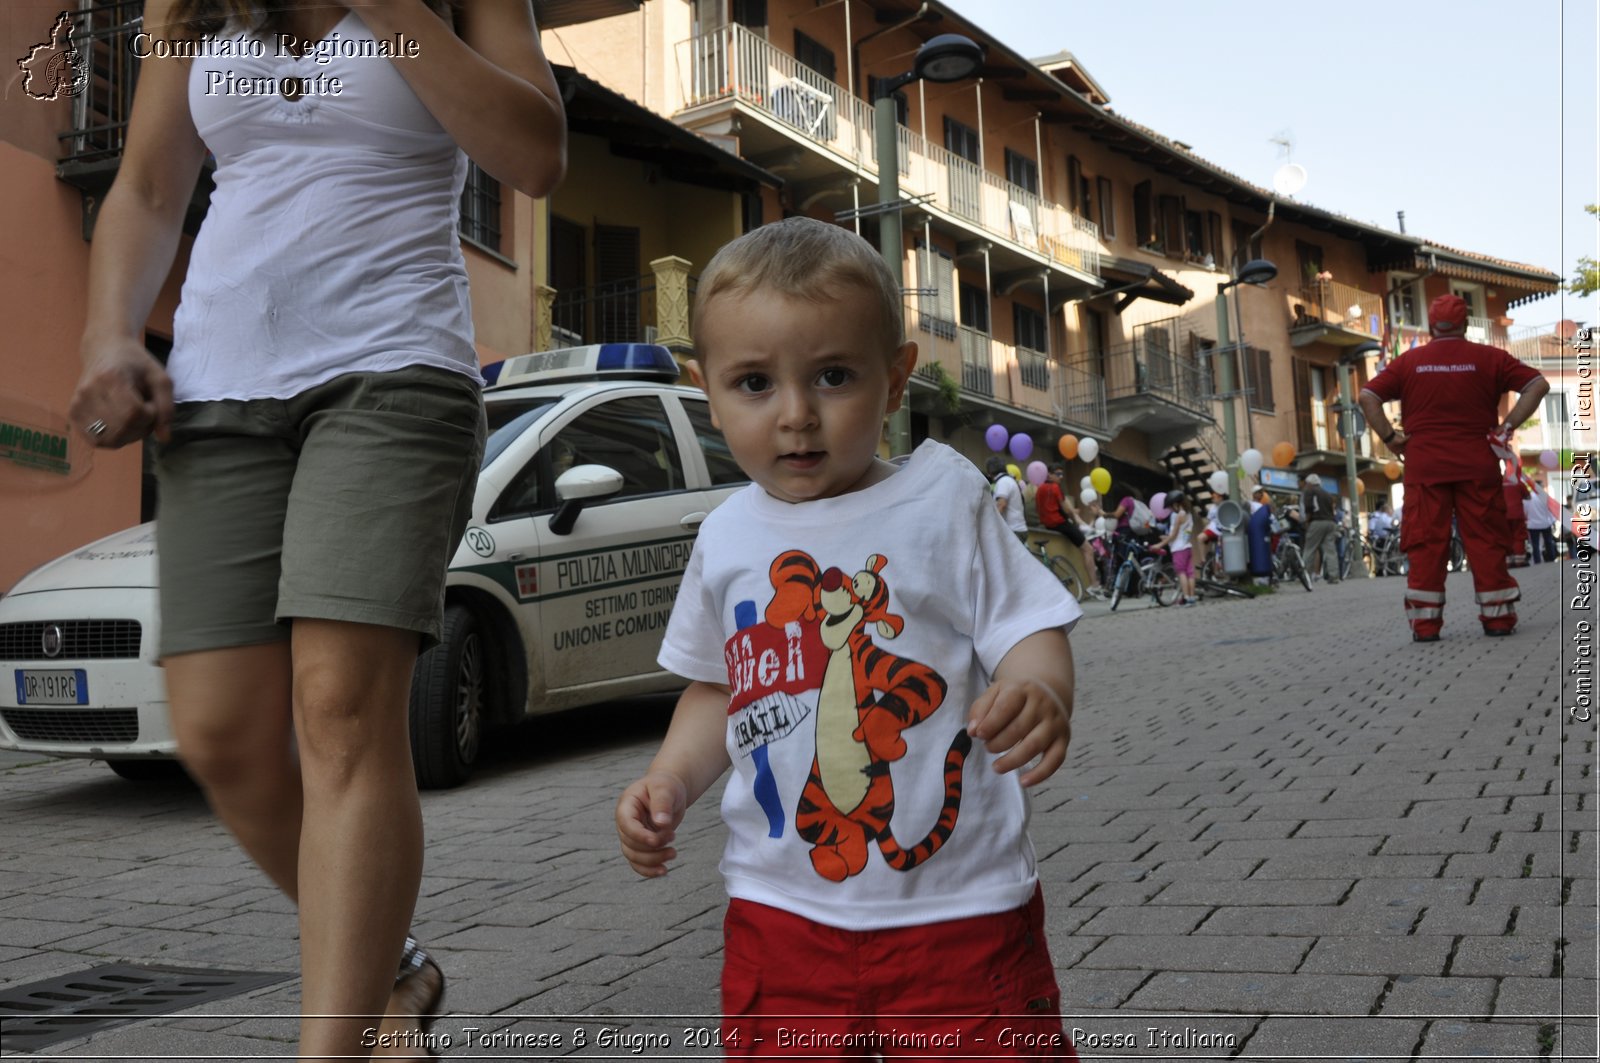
pixel 319 422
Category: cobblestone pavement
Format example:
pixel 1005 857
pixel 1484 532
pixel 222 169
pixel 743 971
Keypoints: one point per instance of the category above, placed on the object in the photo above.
pixel 1285 831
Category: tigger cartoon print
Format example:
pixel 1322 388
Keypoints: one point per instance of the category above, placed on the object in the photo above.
pixel 867 698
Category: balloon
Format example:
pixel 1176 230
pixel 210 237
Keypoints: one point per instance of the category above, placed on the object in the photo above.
pixel 1021 446
pixel 1068 446
pixel 1282 454
pixel 1100 480
pixel 1015 470
pixel 1218 481
pixel 996 435
pixel 1088 496
pixel 1251 461
pixel 1549 459
pixel 1088 449
pixel 1037 473
pixel 1158 504
pixel 1391 469
pixel 1085 484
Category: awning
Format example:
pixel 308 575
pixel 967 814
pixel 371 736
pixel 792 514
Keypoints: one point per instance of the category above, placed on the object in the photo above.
pixel 553 14
pixel 1131 279
pixel 635 132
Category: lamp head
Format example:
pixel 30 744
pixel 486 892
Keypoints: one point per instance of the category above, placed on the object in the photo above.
pixel 947 57
pixel 1358 354
pixel 1256 271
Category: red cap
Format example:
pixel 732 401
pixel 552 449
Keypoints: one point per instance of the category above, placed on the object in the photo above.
pixel 1448 313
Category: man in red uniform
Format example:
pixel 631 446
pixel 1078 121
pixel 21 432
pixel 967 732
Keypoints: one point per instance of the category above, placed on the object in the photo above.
pixel 1449 392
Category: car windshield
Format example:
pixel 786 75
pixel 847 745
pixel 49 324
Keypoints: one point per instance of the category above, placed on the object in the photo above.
pixel 508 419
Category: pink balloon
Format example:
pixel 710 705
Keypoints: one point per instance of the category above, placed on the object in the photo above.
pixel 1158 504
pixel 1037 473
pixel 1549 459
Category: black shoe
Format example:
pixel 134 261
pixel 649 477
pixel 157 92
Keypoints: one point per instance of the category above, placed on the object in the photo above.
pixel 1499 632
pixel 1424 638
pixel 414 960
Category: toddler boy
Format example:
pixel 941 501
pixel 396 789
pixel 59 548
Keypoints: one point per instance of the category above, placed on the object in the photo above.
pixel 877 657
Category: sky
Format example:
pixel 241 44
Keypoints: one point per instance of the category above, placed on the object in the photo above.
pixel 1475 117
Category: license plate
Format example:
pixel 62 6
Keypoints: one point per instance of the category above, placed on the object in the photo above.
pixel 65 686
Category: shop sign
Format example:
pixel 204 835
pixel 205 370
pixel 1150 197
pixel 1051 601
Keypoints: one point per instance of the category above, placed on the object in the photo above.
pixel 38 445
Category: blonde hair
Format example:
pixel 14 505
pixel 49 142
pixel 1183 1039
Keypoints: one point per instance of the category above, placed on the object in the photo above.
pixel 804 258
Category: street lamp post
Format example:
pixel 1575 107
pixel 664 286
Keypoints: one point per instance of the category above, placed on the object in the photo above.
pixel 1256 271
pixel 1348 419
pixel 947 57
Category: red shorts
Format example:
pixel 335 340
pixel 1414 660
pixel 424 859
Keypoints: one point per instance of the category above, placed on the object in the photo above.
pixel 982 987
pixel 1208 535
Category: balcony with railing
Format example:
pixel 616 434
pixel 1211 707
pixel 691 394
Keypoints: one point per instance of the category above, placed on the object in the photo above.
pixel 990 373
pixel 1150 385
pixel 732 67
pixel 1331 312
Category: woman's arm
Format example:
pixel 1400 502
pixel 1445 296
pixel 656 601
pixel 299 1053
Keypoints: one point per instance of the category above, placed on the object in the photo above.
pixel 491 88
pixel 135 242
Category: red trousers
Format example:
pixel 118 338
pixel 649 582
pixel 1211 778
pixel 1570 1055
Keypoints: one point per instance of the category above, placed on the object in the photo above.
pixel 1479 509
pixel 975 988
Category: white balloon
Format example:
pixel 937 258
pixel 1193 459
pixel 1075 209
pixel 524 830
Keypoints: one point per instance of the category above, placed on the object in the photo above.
pixel 1219 482
pixel 1085 484
pixel 1087 449
pixel 1089 496
pixel 1251 461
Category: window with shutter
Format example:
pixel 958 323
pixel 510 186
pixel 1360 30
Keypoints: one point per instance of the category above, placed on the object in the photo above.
pixel 1108 213
pixel 616 284
pixel 1075 198
pixel 1022 171
pixel 1261 380
pixel 1172 237
pixel 936 302
pixel 1144 217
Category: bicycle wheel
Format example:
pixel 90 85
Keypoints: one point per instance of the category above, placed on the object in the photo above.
pixel 1163 584
pixel 1117 587
pixel 1299 564
pixel 1068 576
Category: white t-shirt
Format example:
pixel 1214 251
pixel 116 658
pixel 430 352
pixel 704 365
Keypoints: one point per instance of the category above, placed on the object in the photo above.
pixel 1380 524
pixel 1536 511
pixel 917 584
pixel 1213 525
pixel 1185 524
pixel 331 242
pixel 1007 488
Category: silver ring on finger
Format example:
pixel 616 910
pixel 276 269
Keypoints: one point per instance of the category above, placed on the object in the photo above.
pixel 96 428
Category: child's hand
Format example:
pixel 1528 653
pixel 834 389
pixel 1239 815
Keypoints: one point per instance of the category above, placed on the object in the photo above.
pixel 648 814
pixel 1021 719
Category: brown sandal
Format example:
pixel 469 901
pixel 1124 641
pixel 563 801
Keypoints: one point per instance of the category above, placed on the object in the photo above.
pixel 413 960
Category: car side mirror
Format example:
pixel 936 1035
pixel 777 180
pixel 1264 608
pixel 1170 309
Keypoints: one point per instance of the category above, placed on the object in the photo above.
pixel 578 486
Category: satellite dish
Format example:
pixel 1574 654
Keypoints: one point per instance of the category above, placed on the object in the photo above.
pixel 1290 178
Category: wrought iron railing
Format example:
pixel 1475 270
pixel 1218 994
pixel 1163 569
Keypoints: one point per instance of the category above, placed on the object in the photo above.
pixel 1080 396
pixel 977 360
pixel 1338 305
pixel 622 311
pixel 732 63
pixel 103 34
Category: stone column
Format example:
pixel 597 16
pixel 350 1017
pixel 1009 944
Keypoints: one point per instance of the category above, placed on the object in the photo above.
pixel 672 303
pixel 544 317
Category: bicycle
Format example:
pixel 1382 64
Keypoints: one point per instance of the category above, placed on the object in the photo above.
pixel 1384 557
pixel 1058 565
pixel 1287 564
pixel 1153 572
pixel 1212 579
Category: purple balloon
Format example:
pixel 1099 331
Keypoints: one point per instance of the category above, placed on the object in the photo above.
pixel 1158 504
pixel 1021 446
pixel 996 437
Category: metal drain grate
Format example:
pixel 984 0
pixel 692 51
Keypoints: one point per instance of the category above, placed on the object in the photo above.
pixel 74 1005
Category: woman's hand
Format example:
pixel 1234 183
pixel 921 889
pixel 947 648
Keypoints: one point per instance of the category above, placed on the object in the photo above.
pixel 123 395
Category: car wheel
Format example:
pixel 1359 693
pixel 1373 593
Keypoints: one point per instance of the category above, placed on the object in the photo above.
pixel 448 692
pixel 149 770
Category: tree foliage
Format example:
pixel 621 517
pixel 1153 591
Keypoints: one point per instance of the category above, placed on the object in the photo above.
pixel 1587 281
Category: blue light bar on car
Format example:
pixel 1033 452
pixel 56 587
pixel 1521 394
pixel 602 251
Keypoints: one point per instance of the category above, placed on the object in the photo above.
pixel 598 361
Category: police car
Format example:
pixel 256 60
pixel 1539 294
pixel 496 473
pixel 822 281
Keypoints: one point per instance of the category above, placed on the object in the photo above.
pixel 597 473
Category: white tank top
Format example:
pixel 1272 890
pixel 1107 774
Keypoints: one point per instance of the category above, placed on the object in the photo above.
pixel 330 246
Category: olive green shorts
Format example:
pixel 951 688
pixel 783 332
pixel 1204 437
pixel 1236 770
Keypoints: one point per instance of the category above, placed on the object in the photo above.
pixel 344 502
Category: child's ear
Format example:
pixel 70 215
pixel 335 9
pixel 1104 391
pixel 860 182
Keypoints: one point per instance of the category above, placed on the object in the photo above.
pixel 901 363
pixel 698 377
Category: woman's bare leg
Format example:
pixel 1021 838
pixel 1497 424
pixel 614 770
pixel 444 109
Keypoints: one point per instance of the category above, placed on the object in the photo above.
pixel 232 714
pixel 361 842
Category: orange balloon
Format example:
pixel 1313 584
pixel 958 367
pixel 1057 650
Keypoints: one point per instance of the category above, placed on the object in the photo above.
pixel 1391 469
pixel 1283 454
pixel 1068 446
